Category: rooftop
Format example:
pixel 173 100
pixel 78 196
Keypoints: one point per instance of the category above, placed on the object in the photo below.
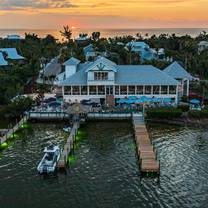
pixel 176 71
pixel 71 61
pixel 3 62
pixel 11 53
pixel 124 74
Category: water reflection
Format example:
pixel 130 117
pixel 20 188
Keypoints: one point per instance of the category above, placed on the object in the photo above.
pixel 103 171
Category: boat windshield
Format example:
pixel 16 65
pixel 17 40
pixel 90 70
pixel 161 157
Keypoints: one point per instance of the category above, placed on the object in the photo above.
pixel 49 156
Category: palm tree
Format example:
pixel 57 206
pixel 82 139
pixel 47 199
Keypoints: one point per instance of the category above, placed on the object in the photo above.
pixel 66 33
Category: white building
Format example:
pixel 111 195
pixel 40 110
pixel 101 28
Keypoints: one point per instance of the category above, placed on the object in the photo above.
pixel 14 37
pixel 104 79
pixel 144 51
pixel 176 71
pixel 203 45
pixel 11 54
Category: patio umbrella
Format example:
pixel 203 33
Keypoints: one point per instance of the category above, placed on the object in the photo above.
pixel 132 97
pixel 139 101
pixel 156 100
pixel 194 101
pixel 145 99
pixel 167 100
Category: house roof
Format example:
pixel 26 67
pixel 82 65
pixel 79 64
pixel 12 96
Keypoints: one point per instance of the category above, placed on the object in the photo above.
pixel 102 63
pixel 126 75
pixel 176 71
pixel 142 75
pixel 52 68
pixel 12 53
pixel 137 44
pixel 14 37
pixel 203 43
pixel 88 49
pixel 3 62
pixel 71 61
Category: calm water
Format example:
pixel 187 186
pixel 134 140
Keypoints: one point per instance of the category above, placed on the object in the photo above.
pixel 108 32
pixel 104 172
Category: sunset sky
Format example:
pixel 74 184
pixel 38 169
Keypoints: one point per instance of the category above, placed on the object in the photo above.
pixel 51 14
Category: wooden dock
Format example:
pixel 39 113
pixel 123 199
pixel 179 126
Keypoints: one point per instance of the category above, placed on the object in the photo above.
pixel 68 146
pixel 11 132
pixel 147 155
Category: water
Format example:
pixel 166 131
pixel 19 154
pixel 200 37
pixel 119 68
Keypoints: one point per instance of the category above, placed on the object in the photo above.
pixel 107 32
pixel 104 172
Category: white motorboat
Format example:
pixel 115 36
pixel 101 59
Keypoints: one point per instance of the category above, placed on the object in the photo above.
pixel 50 159
pixel 67 129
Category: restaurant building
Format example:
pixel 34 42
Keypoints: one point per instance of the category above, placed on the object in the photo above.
pixel 107 81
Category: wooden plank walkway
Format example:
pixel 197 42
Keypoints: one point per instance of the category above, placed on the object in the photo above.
pixel 68 146
pixel 145 150
pixel 13 130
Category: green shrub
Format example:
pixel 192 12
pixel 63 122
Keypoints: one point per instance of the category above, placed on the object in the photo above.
pixel 184 108
pixel 17 107
pixel 164 113
pixel 198 114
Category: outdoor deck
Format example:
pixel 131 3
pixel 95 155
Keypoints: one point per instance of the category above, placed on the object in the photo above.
pixel 145 150
pixel 68 147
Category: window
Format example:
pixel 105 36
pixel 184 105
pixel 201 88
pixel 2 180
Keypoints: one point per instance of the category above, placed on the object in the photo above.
pixel 131 90
pixel 139 90
pixel 123 90
pixel 75 90
pixel 93 90
pixel 148 90
pixel 172 89
pixel 101 76
pixel 83 90
pixel 67 90
pixel 101 90
pixel 156 90
pixel 117 90
pixel 164 90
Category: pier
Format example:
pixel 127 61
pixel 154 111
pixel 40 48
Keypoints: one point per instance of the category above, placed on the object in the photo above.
pixel 10 133
pixel 147 155
pixel 68 146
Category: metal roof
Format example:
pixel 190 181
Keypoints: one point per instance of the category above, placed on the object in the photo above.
pixel 52 68
pixel 137 44
pixel 127 75
pixel 176 71
pixel 12 53
pixel 3 62
pixel 142 75
pixel 71 61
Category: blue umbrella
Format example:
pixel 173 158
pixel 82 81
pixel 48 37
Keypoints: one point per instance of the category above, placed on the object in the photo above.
pixel 121 101
pixel 139 100
pixel 155 100
pixel 132 97
pixel 194 101
pixel 130 101
pixel 167 100
pixel 145 99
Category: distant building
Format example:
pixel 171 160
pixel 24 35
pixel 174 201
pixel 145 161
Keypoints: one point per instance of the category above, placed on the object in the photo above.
pixel 176 71
pixel 203 45
pixel 8 55
pixel 144 51
pixel 105 80
pixel 11 54
pixel 14 37
pixel 89 52
pixel 3 62
pixel 82 40
pixel 50 71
